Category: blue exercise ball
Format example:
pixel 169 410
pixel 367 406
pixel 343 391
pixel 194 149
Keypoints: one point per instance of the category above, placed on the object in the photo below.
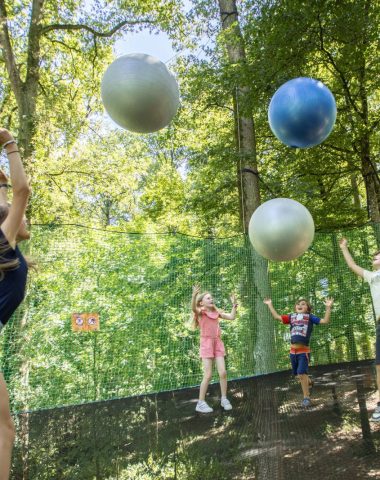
pixel 302 112
pixel 281 229
pixel 139 93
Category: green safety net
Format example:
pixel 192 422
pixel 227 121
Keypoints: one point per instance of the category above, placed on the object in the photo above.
pixel 141 285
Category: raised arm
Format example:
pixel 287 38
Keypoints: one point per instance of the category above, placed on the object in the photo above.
pixel 20 187
pixel 349 260
pixel 272 310
pixel 196 291
pixel 232 315
pixel 328 303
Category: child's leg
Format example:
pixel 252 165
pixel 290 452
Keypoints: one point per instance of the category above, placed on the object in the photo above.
pixel 207 374
pixel 378 359
pixel 302 370
pixel 305 385
pixel 7 431
pixel 221 366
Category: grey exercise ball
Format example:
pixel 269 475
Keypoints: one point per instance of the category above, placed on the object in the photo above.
pixel 139 93
pixel 281 229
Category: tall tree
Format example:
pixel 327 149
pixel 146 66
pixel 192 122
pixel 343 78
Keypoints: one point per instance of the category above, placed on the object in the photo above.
pixel 334 42
pixel 248 180
pixel 86 36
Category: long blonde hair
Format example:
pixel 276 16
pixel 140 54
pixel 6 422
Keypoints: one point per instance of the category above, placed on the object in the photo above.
pixel 196 314
pixel 6 265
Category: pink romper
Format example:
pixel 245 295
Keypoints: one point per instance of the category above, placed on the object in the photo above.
pixel 211 345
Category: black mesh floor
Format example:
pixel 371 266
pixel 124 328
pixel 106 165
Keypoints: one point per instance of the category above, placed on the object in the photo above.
pixel 267 435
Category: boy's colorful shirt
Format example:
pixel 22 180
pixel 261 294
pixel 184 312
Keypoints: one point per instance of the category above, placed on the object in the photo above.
pixel 301 326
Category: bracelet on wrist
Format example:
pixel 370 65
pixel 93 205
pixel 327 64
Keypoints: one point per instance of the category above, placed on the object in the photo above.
pixel 13 151
pixel 9 142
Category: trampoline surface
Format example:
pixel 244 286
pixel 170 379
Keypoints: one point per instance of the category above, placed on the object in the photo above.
pixel 268 434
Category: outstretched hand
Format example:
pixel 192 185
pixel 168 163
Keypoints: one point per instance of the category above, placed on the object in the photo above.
pixel 5 136
pixel 196 289
pixel 328 302
pixel 233 299
pixel 267 301
pixel 343 242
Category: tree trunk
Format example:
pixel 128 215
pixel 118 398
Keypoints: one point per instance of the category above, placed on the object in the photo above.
pixel 244 125
pixel 256 283
pixel 371 181
pixel 370 175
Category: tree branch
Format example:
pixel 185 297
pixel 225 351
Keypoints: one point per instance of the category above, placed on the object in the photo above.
pixel 209 105
pixel 329 146
pixel 63 172
pixel 60 42
pixel 334 64
pixel 109 33
pixel 9 57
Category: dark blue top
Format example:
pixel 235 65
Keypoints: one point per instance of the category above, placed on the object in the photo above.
pixel 301 326
pixel 12 286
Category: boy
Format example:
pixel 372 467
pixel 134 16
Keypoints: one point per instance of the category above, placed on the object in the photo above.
pixel 301 323
pixel 373 279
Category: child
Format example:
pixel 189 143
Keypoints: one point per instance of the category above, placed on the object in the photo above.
pixel 13 273
pixel 206 317
pixel 373 279
pixel 301 323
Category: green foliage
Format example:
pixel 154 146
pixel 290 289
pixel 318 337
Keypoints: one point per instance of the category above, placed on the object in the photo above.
pixel 141 287
pixel 185 178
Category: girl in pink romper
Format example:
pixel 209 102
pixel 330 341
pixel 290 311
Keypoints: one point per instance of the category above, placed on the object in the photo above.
pixel 206 317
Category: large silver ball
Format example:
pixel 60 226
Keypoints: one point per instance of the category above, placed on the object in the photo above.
pixel 139 93
pixel 281 229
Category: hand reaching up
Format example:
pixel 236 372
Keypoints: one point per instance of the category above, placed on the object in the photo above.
pixel 343 242
pixel 328 302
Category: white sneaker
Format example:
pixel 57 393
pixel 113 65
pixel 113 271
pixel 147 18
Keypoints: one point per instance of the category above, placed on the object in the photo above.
pixel 376 415
pixel 225 403
pixel 202 407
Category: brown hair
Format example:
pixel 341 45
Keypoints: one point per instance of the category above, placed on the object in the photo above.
pixel 309 306
pixel 5 263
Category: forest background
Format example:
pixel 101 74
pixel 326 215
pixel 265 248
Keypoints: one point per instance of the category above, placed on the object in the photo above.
pixel 160 212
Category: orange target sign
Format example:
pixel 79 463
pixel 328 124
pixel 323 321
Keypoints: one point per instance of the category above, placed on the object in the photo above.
pixel 85 322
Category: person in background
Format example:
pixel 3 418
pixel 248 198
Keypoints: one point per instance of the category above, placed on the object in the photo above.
pixel 373 280
pixel 13 273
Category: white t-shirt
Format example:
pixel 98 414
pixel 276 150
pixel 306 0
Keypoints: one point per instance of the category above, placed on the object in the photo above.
pixel 373 278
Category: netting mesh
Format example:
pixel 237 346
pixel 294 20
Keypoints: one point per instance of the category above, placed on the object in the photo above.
pixel 141 287
pixel 266 436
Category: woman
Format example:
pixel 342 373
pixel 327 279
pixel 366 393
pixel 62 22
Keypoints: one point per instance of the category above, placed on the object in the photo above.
pixel 13 273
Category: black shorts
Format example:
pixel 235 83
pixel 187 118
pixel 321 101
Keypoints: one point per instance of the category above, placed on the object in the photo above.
pixel 378 344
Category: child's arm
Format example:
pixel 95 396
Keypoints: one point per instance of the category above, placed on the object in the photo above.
pixel 328 303
pixel 21 190
pixel 268 302
pixel 196 290
pixel 232 315
pixel 349 260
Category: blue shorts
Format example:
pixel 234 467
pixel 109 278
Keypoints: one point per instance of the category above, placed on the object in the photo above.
pixel 300 363
pixel 378 344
